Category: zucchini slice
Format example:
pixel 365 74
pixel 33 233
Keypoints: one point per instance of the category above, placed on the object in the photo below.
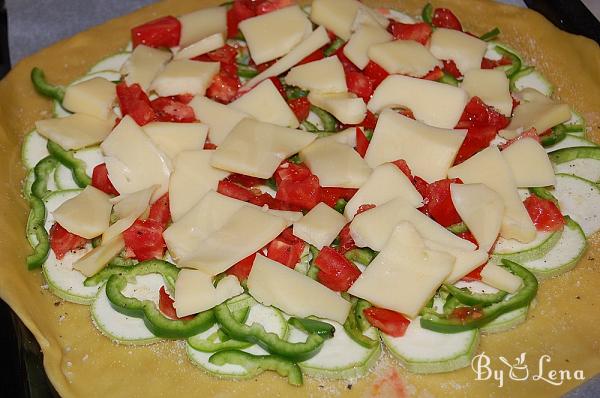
pixel 33 149
pixel 111 63
pixel 536 81
pixel 580 199
pixel 516 251
pixel 570 141
pixel 582 162
pixel 63 176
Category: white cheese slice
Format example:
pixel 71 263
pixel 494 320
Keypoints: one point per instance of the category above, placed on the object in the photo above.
pixel 500 278
pixel 271 283
pixel 265 103
pixel 336 165
pixel 384 184
pixel 203 46
pixel 367 35
pixel 489 167
pixel 539 115
pixel 127 209
pixel 185 77
pixel 325 75
pixel 492 86
pixel 219 118
pixel 429 151
pixel 346 137
pixel 94 97
pixel 74 131
pixel 203 23
pixel 256 149
pixel 273 35
pixel 96 259
pixel 436 104
pixel 173 138
pixel 194 291
pixel 405 57
pixel 335 15
pixel 465 260
pixel 143 65
pixel 320 226
pixel 403 276
pixel 345 107
pixel 481 209
pixel 529 164
pixel 86 215
pixel 132 160
pixel 192 178
pixel 465 50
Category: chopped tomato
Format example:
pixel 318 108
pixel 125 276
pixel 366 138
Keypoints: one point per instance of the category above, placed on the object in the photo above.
pixel 403 166
pixel 477 113
pixel 242 268
pixel 209 145
pixel 474 275
pixel 160 211
pixel 370 121
pixel 362 143
pixel 62 241
pixel 435 74
pixel 444 18
pixel 291 171
pixel 389 322
pixel 439 202
pixel 235 191
pixel 335 271
pixel 286 249
pixel 375 73
pixel 365 207
pixel 304 194
pixel 346 63
pixel 161 32
pixel 183 98
pixel 135 103
pixel 170 110
pixel 144 238
pixel 420 32
pixel 240 10
pixel 101 180
pixel 272 203
pixel 407 112
pixel 300 107
pixel 225 54
pixel 278 85
pixel 467 235
pixel 531 133
pixel 165 304
pixel 421 185
pixel 245 181
pixel 487 63
pixel 265 65
pixel 450 67
pixel 346 241
pixel 466 313
pixel 477 138
pixel 314 56
pixel 331 195
pixel 544 213
pixel 224 87
pixel 266 6
pixel 359 84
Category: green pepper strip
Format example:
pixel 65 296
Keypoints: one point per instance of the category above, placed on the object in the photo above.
pixel 513 79
pixel 449 324
pixel 209 344
pixel 333 47
pixel 271 183
pixel 308 126
pixel 122 262
pixel 42 172
pixel 467 297
pixel 271 342
pixel 427 14
pixel 77 166
pixel 450 304
pixel 447 78
pixel 36 222
pixel 313 326
pixel 329 122
pixel 491 35
pixel 558 134
pixel 363 323
pixel 362 255
pixel 543 193
pixel 515 61
pixel 354 329
pixel 568 154
pixel 313 270
pixel 340 205
pixel 293 92
pixel 458 228
pixel 256 364
pixel 246 71
pixel 43 87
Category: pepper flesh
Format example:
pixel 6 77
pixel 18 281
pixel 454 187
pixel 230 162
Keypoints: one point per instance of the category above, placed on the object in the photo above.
pixel 362 255
pixel 354 328
pixel 313 326
pixel 469 298
pixel 43 87
pixel 42 171
pixel 36 221
pixel 328 121
pixel 77 166
pixel 209 344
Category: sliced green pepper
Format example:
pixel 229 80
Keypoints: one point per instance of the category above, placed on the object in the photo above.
pixel 329 122
pixel 515 61
pixel 42 171
pixel 513 79
pixel 313 326
pixel 245 71
pixel 491 35
pixel 557 134
pixel 334 46
pixel 293 92
pixel 43 87
pixel 313 270
pixel 427 14
pixel 543 193
pixel 447 78
pixel 450 304
pixel 271 183
pixel 465 296
pixel 308 126
pixel 36 221
pixel 458 228
pixel 354 329
pixel 68 159
pixel 210 343
pixel 340 205
pixel 363 323
pixel 362 255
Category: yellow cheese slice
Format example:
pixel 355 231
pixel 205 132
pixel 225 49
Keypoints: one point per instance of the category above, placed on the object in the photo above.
pixel 75 131
pixel 127 209
pixel 219 118
pixel 366 35
pixel 132 160
pixel 346 107
pixel 320 226
pixel 94 97
pixel 481 209
pixel 143 65
pixel 96 259
pixel 200 24
pixel 500 278
pixel 529 164
pixel 465 50
pixel 184 77
pixel 489 167
pixel 271 283
pixel 173 138
pixel 491 86
pixel 384 184
pixel 539 115
pixel 193 176
pixel 256 149
pixel 429 151
pixel 265 103
pixel 336 165
pixel 406 57
pixel 195 292
pixel 86 215
pixel 202 46
pixel 335 15
pixel 437 104
pixel 273 35
pixel 403 277
pixel 325 76
pixel 465 260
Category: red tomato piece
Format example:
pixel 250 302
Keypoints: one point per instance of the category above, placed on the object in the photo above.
pixel 245 181
pixel 135 103
pixel 450 67
pixel 474 275
pixel 209 145
pixel 346 63
pixel 362 143
pixel 62 241
pixel 370 121
pixel 444 18
pixel 291 171
pixel 272 203
pixel 331 195
pixel 224 87
pixel 235 191
pixel 225 54
pixel 242 268
pixel 336 271
pixel 477 138
pixel 420 32
pixel 300 107
pixel 267 6
pixel 239 11
pixel 421 186
pixel 544 213
pixel 478 114
pixel 467 235
pixel 487 63
pixel 183 98
pixel 403 166
pixel 165 304
pixel 169 110
pixel 435 74
pixel 144 238
pixel 439 202
pixel 314 56
pixel 375 73
pixel 466 313
pixel 531 133
pixel 389 322
pixel 101 180
pixel 161 32
pixel 160 211
pixel 286 249
pixel 359 84
pixel 304 194
pixel 365 207
pixel 346 241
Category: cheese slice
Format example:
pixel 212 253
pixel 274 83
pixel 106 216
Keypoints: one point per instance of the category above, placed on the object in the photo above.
pixel 529 164
pixel 219 118
pixel 273 35
pixel 403 276
pixel 94 97
pixel 346 137
pixel 436 104
pixel 365 15
pixel 373 228
pixel 265 103
pixel 173 138
pixel 366 35
pixel 429 151
pixel 465 260
pixel 406 57
pixel 202 46
pixel 143 65
pixel 270 283
pixel 539 115
pixel 194 291
pixel 530 94
pixel 203 23
pixel 335 15
pixel 384 184
pixel 345 107
pixel 74 131
pixel 132 160
pixel 336 165
pixel 96 259
pixel 256 149
pixel 481 209
pixel 185 77
pixel 500 278
pixel 489 167
pixel 127 209
pixel 491 86
pixel 86 215
pixel 465 50
pixel 191 179
pixel 320 226
pixel 325 75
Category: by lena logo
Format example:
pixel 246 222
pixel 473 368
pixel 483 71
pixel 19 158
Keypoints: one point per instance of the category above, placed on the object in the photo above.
pixel 518 370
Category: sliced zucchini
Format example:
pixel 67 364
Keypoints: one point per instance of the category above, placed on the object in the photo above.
pixel 506 321
pixel 582 162
pixel 580 199
pixel 109 75
pixel 570 141
pixel 92 157
pixel 33 149
pixel 111 63
pixel 65 282
pixel 534 80
pixel 27 183
pixel 55 199
pixel 516 251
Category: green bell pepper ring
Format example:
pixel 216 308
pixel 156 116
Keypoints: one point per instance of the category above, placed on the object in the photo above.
pixel 256 364
pixel 36 221
pixel 491 35
pixel 333 47
pixel 363 323
pixel 543 193
pixel 77 166
pixel 43 87
pixel 513 79
pixel 245 71
pixel 310 127
pixel 313 270
pixel 340 205
pixel 354 329
pixel 558 134
pixel 448 323
pixel 329 122
pixel 362 255
pixel 427 14
pixel 313 326
pixel 465 296
pixel 210 343
pixel 42 171
pixel 450 304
